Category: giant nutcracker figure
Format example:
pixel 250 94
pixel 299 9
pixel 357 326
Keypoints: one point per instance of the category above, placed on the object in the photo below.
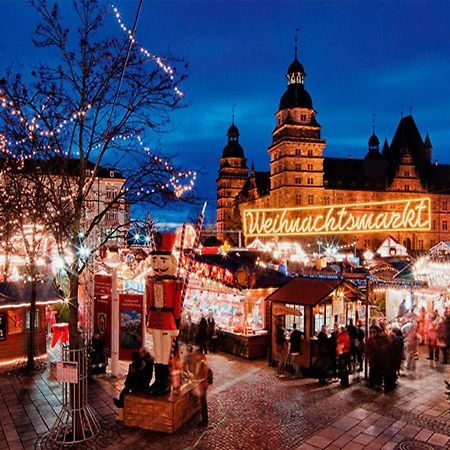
pixel 163 289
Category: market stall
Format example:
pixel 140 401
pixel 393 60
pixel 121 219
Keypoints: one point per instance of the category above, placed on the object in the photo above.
pixel 232 290
pixel 15 318
pixel 317 301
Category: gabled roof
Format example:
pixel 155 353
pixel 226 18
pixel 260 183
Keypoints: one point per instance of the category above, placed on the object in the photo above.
pixel 15 293
pixel 305 291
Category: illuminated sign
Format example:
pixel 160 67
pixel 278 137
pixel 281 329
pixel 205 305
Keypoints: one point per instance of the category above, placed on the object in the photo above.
pixel 370 217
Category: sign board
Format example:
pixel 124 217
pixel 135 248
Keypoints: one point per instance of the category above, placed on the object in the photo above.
pixel 131 324
pixel 103 308
pixel 338 306
pixel 3 326
pixel 67 371
pixel 357 218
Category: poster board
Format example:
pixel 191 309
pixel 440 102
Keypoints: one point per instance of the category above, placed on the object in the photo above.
pixel 3 326
pixel 103 308
pixel 67 372
pixel 131 317
pixel 338 306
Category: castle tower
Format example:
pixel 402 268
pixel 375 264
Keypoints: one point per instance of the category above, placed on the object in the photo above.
pixel 233 174
pixel 296 153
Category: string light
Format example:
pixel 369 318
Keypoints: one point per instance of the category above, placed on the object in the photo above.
pixel 168 70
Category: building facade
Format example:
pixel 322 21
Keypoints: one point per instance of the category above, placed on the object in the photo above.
pixel 301 176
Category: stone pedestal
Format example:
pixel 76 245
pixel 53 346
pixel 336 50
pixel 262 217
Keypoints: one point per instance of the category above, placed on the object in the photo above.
pixel 165 414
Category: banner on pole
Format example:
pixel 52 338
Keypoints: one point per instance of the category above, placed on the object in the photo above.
pixel 103 308
pixel 131 324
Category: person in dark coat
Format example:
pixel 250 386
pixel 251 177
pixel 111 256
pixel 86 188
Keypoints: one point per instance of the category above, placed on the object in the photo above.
pixel 137 379
pixel 202 336
pixel 325 355
pixel 354 343
pixel 371 350
pixel 295 341
pixel 212 337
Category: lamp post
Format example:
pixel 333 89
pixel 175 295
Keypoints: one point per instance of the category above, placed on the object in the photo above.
pixel 115 325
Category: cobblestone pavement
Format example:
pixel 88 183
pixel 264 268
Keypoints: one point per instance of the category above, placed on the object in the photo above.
pixel 250 408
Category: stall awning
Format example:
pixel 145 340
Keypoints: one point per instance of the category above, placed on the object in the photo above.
pixel 305 291
pixel 14 294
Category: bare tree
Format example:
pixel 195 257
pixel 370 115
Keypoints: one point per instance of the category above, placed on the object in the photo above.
pixel 84 115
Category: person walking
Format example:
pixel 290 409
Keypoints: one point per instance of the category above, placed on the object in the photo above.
pixel 354 343
pixel 202 379
pixel 212 336
pixel 371 349
pixel 202 336
pixel 325 355
pixel 431 333
pixel 295 341
pixel 343 348
pixel 442 339
pixel 409 330
pixel 360 349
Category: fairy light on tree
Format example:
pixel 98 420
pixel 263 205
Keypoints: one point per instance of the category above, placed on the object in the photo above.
pixel 62 133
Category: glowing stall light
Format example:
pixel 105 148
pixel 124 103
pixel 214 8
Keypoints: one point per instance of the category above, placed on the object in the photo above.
pixel 435 273
pixel 168 70
pixel 368 255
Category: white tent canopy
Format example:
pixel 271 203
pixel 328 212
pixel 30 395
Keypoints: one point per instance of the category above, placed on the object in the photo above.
pixel 390 247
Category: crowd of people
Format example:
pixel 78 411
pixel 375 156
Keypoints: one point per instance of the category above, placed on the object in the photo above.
pixel 388 347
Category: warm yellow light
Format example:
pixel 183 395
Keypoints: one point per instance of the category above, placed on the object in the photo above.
pixel 406 215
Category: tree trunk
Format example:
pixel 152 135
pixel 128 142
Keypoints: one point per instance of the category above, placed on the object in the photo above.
pixel 73 309
pixel 31 335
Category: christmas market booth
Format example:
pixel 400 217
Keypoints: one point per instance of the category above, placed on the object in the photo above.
pixel 310 302
pixel 231 288
pixel 15 318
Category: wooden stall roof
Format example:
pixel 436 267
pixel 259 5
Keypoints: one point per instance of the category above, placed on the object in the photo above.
pixel 311 291
pixel 15 293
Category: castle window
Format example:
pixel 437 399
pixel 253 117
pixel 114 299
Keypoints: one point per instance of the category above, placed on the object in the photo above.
pixel 433 225
pixel 298 199
pixel 298 152
pixel 310 152
pixel 310 199
pixel 444 205
pixel 298 167
pixel 339 199
pixel 298 180
pixel 326 200
pixel 310 181
pixel 111 214
pixel 303 117
pixel 420 244
pixel 432 242
pixel 444 225
pixel 310 167
pixel 406 173
pixel 406 187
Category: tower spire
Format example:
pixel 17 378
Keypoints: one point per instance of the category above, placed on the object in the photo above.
pixel 296 42
pixel 373 123
pixel 232 113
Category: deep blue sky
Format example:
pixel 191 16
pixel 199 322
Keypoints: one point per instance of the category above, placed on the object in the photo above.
pixel 361 58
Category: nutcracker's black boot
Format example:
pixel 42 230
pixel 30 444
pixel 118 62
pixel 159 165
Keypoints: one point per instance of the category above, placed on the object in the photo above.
pixel 164 384
pixel 155 387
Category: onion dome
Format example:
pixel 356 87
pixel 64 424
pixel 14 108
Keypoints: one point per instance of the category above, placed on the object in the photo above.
pixel 296 96
pixel 374 142
pixel 233 149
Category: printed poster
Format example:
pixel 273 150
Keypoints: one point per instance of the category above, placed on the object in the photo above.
pixel 131 324
pixel 103 308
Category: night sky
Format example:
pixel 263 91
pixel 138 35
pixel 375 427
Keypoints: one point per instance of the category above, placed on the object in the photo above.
pixel 362 58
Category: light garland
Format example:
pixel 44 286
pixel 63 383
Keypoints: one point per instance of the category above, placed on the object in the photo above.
pixel 168 70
